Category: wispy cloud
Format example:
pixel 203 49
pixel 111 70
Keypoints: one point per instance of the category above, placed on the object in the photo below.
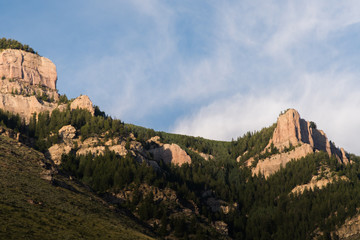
pixel 296 41
pixel 208 68
pixel 330 98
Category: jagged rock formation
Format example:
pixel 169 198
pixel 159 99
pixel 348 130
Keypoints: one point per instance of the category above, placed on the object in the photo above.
pixel 25 79
pixel 295 138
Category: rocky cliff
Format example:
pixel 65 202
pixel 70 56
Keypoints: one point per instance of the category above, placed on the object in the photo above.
pixel 27 67
pixel 295 138
pixel 28 85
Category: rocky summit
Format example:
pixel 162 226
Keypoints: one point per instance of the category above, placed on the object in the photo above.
pixel 294 138
pixel 28 85
pixel 28 67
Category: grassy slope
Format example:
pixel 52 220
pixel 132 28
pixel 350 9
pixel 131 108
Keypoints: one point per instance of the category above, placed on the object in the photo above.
pixel 33 208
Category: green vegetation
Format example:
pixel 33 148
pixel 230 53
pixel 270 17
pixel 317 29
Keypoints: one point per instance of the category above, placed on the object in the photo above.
pixel 313 125
pixel 63 99
pixel 34 208
pixel 259 208
pixel 108 171
pixel 43 97
pixel 13 44
pixel 252 144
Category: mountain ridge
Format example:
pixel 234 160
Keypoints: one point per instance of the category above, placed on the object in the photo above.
pixel 184 187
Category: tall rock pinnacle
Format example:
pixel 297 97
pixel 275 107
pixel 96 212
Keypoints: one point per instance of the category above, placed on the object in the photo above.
pixel 302 137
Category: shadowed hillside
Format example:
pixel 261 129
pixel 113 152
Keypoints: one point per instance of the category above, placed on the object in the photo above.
pixel 34 207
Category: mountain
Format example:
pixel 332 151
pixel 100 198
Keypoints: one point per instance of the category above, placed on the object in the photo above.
pixel 70 171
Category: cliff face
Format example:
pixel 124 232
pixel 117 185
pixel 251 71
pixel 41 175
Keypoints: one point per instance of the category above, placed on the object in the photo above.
pixel 28 67
pixel 25 78
pixel 302 137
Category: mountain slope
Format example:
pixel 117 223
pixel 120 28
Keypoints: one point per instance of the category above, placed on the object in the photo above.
pixel 32 207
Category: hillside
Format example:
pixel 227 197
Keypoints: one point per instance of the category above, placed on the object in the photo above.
pixel 38 204
pixel 70 171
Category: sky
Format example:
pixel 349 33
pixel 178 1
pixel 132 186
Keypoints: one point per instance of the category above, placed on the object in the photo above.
pixel 215 69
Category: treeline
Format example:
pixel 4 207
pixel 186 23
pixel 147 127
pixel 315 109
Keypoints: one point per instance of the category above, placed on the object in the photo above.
pixel 221 149
pixel 249 145
pixel 13 44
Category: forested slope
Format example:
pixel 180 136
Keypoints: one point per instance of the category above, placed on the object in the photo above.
pixel 37 203
pixel 215 198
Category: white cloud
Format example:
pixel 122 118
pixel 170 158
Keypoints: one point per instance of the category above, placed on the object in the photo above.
pixel 328 98
pixel 293 35
pixel 232 117
pixel 258 58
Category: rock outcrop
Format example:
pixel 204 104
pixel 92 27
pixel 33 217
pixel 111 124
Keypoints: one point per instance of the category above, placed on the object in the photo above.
pixel 28 85
pixel 83 102
pixel 272 164
pixel 350 229
pixel 24 106
pixel 67 133
pixel 171 153
pixel 203 155
pixel 321 180
pixel 295 138
pixel 291 129
pixel 56 151
pixel 27 67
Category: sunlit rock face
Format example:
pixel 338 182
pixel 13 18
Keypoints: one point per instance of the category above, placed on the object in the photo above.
pixel 27 67
pixel 302 137
pixel 28 85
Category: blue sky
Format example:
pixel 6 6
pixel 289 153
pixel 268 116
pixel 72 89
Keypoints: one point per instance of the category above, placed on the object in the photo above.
pixel 215 69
